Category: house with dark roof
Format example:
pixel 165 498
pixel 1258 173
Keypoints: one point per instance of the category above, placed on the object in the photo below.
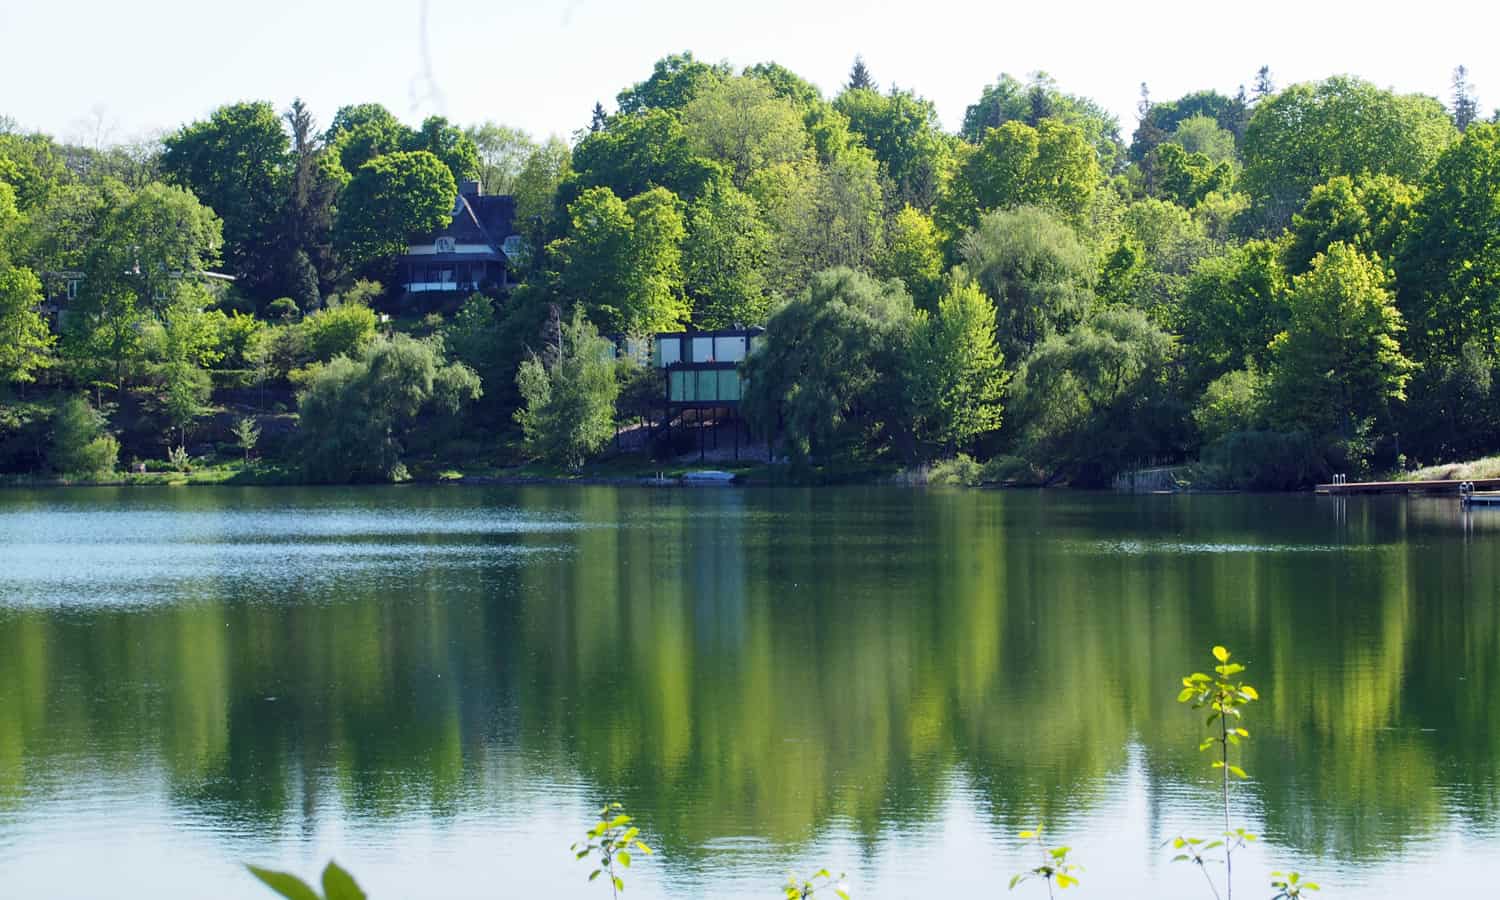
pixel 470 253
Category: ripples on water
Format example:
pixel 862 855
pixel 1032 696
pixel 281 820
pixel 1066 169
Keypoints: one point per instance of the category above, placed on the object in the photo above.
pixel 438 687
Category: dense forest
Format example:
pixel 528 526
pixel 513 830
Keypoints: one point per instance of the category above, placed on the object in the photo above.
pixel 1273 285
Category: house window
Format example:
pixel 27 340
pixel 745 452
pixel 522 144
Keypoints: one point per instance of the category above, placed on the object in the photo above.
pixel 72 288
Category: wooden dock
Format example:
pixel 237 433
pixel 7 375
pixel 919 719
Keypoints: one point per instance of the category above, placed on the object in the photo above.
pixel 1444 486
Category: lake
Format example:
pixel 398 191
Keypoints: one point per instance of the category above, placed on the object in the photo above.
pixel 438 686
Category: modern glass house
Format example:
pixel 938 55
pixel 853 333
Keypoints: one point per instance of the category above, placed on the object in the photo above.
pixel 701 378
pixel 703 367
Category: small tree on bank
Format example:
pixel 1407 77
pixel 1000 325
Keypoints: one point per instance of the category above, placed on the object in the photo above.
pixel 569 411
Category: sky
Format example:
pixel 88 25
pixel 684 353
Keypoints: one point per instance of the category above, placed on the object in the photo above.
pixel 124 69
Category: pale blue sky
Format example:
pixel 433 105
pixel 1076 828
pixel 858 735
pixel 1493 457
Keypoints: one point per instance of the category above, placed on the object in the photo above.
pixel 154 64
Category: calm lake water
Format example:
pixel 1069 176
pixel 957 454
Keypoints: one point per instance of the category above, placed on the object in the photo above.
pixel 437 687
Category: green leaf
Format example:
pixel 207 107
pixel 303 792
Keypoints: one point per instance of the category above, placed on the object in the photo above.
pixel 581 853
pixel 287 885
pixel 1181 857
pixel 1060 852
pixel 643 848
pixel 1249 691
pixel 339 884
pixel 1015 880
pixel 1185 695
pixel 1066 881
pixel 624 858
pixel 843 894
pixel 1027 835
pixel 1221 654
pixel 1238 771
pixel 594 874
pixel 619 883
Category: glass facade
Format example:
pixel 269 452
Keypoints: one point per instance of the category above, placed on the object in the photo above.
pixel 704 386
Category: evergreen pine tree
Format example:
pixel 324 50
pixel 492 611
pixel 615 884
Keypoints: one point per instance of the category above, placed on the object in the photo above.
pixel 599 120
pixel 1465 106
pixel 859 76
pixel 1265 86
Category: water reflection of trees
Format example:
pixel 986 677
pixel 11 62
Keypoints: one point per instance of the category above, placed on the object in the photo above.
pixel 766 664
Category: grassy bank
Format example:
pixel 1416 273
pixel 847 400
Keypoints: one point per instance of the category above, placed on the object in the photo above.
pixel 1488 467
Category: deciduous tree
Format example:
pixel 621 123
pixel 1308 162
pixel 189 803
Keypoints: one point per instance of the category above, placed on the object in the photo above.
pixel 389 199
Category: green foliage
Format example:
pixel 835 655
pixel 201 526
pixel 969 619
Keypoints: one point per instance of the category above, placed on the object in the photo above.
pixel 80 447
pixel 1339 363
pixel 1009 99
pixel 1235 401
pixel 282 309
pixel 450 144
pixel 1050 165
pixel 829 377
pixel 743 124
pixel 1311 132
pixel 24 336
pixel 1232 306
pixel 610 842
pixel 1035 269
pixel 675 80
pixel 503 152
pixel 390 198
pixel 1201 134
pixel 337 331
pixel 1187 178
pixel 1370 213
pixel 725 253
pixel 1261 460
pixel 1290 885
pixel 1185 120
pixel 639 151
pixel 238 163
pixel 1054 867
pixel 623 260
pixel 247 434
pixel 569 411
pixel 913 254
pixel 337 884
pixel 1096 400
pixel 904 133
pixel 356 413
pixel 363 131
pixel 536 185
pixel 1449 266
pixel 821 880
pixel 1224 697
pixel 1169 242
pixel 956 373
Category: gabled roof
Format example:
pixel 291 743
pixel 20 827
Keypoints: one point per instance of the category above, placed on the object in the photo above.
pixel 478 219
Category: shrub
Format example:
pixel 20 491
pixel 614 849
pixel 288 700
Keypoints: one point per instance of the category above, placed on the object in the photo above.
pixel 962 469
pixel 1263 461
pixel 80 446
pixel 570 407
pixel 338 331
pixel 283 309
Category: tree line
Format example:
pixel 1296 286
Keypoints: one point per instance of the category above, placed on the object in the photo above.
pixel 1278 283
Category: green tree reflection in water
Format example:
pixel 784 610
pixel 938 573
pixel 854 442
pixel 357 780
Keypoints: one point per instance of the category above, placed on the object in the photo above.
pixel 749 663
